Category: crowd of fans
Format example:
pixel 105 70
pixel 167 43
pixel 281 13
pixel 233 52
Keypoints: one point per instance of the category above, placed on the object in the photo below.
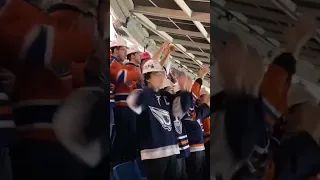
pixel 55 88
pixel 160 116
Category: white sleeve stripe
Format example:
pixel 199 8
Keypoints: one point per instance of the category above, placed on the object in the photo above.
pixel 119 74
pixel 125 76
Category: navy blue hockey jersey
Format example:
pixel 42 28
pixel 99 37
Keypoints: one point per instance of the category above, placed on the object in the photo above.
pixel 156 122
pixel 194 128
pixel 181 132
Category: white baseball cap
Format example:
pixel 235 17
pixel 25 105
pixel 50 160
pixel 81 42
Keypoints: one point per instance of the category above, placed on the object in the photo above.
pixel 152 66
pixel 167 83
pixel 118 42
pixel 133 49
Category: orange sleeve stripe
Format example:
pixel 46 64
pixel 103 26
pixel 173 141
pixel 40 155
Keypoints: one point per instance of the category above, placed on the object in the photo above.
pixel 184 142
pixel 196 145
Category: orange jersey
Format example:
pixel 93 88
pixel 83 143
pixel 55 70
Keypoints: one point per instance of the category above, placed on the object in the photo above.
pixel 122 78
pixel 194 124
pixel 39 39
pixel 67 17
pixel 39 47
pixel 275 89
pixel 133 67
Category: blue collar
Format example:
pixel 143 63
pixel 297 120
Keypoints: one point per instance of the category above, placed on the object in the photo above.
pixel 113 58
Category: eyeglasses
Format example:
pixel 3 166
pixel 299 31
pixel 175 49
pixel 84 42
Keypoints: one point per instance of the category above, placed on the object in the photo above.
pixel 122 49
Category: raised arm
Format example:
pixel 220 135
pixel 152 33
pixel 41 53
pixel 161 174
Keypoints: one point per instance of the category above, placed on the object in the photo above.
pixel 164 58
pixel 157 55
pixel 182 101
pixel 135 101
pixel 277 79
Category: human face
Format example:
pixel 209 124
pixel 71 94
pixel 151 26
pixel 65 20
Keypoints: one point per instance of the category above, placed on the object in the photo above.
pixel 121 53
pixel 156 80
pixel 137 58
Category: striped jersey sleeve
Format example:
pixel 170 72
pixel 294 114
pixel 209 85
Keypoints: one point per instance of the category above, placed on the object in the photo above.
pixel 119 74
pixel 37 39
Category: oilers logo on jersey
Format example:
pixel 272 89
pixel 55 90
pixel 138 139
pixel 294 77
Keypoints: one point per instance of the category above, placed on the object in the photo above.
pixel 163 117
pixel 178 126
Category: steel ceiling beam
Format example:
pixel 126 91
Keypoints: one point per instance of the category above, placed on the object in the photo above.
pixel 175 14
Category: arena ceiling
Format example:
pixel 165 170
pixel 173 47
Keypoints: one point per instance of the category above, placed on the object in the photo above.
pixel 262 23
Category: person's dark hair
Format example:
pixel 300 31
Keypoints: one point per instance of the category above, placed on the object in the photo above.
pixel 129 56
pixel 114 48
pixel 146 77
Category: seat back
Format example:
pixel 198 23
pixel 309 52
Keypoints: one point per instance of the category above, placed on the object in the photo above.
pixel 139 166
pixel 126 171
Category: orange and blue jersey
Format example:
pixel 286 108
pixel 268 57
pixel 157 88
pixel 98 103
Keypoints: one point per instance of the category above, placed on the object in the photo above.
pixel 38 46
pixel 192 125
pixel 195 129
pixel 123 80
pixel 39 40
pixel 133 67
pixel 274 88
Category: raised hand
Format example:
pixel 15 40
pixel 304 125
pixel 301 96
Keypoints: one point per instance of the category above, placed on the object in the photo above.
pixel 166 44
pixel 298 35
pixel 171 48
pixel 187 85
pixel 231 61
pixel 204 71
